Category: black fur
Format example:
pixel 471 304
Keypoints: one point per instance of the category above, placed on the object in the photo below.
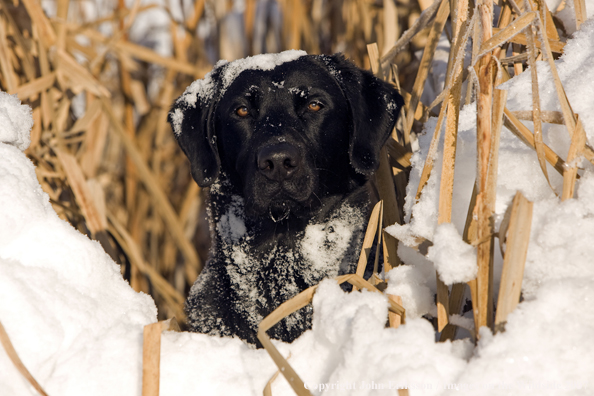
pixel 288 201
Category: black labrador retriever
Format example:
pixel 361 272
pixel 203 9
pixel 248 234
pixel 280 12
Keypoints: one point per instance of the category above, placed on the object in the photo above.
pixel 286 142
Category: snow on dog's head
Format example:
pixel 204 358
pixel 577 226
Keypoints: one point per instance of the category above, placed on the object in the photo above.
pixel 203 90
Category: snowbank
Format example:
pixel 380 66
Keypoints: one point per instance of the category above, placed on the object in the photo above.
pixel 75 323
pixel 78 326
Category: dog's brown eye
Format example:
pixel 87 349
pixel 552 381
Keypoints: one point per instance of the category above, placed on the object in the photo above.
pixel 242 111
pixel 314 106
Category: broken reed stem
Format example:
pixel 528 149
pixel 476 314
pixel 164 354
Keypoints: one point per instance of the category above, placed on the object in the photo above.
pixel 151 355
pixel 384 178
pixel 427 59
pixel 446 189
pixel 374 227
pixel 18 364
pixel 536 118
pixel 458 289
pixel 517 238
pixel 268 388
pixel 394 319
pixel 431 153
pixel 576 148
pixel 424 19
pixel 580 13
pixel 484 70
pixel 527 137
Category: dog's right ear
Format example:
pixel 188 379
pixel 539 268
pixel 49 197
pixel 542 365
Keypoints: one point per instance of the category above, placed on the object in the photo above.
pixel 192 121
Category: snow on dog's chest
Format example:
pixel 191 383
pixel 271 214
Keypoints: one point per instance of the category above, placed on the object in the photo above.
pixel 326 245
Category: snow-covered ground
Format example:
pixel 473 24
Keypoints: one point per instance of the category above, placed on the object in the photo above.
pixel 77 325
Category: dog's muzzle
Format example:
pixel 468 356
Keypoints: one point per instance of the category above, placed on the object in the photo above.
pixel 285 180
pixel 279 162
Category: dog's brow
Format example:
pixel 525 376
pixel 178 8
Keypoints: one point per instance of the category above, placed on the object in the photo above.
pixel 300 91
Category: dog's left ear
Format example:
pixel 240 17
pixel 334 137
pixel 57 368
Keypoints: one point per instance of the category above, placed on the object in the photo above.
pixel 374 106
pixel 191 119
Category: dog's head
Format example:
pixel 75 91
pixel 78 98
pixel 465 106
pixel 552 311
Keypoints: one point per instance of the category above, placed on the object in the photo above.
pixel 286 129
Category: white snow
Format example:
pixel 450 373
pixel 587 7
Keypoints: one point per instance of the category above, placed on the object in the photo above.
pixel 454 259
pixel 77 325
pixel 415 284
pixel 545 350
pixel 323 242
pixel 71 317
pixel 15 121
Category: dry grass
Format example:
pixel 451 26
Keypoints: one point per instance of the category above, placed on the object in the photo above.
pixel 103 150
pixel 107 158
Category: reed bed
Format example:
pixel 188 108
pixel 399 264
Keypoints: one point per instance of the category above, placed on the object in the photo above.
pixel 111 167
pixel 103 149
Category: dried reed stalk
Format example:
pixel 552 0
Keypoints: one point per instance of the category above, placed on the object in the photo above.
pixel 520 38
pixel 151 354
pixel 384 181
pixel 550 117
pixel 508 33
pixel 526 136
pixel 374 227
pixel 458 289
pixel 536 118
pixel 172 297
pixel 95 220
pixel 268 388
pixel 517 236
pixel 446 188
pixel 424 19
pixel 431 153
pixel 576 148
pixel 426 61
pixel 391 28
pixel 568 114
pixel 580 13
pixel 18 364
pixel 395 319
pixel 484 70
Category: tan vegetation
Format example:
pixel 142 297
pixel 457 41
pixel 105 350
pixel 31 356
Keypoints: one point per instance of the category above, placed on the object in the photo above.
pixel 108 160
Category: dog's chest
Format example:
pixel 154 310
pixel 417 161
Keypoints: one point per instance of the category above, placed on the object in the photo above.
pixel 262 276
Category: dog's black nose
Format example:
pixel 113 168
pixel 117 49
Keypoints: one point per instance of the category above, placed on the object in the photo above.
pixel 279 162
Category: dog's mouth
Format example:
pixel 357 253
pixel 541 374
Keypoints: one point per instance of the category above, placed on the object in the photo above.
pixel 294 198
pixel 279 211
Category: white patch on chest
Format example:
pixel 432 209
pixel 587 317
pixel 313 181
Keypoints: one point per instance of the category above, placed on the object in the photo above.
pixel 325 245
pixel 231 226
pixel 318 254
